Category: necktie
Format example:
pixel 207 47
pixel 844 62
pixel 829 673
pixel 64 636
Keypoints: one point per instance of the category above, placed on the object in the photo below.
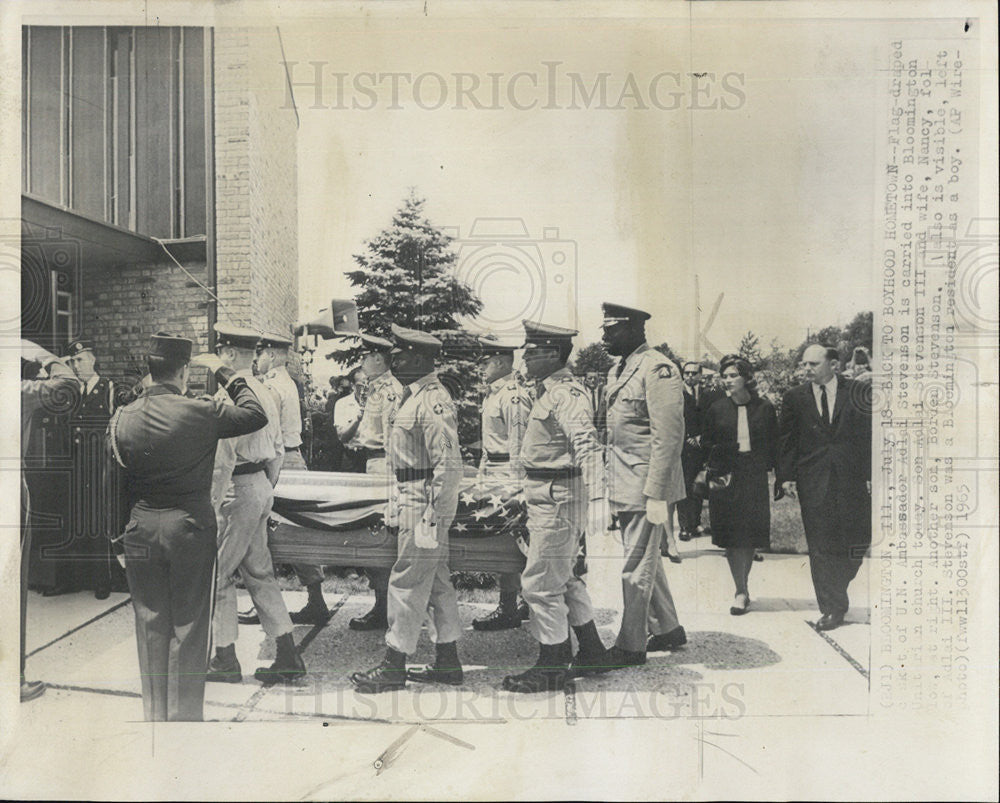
pixel 621 367
pixel 539 389
pixel 824 406
pixel 405 395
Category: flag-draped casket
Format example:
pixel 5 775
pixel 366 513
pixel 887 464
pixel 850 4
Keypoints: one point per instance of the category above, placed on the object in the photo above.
pixel 335 519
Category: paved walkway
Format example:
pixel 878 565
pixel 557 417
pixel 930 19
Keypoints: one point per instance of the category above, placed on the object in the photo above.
pixel 735 674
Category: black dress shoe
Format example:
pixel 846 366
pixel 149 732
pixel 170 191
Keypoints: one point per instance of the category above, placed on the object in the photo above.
pixel 452 676
pixel 375 619
pixel 498 619
pixel 58 591
pixel 685 535
pixel 830 621
pixel 523 611
pixel 102 592
pixel 536 679
pixel 667 641
pixel 31 689
pixel 311 615
pixel 618 658
pixel 590 663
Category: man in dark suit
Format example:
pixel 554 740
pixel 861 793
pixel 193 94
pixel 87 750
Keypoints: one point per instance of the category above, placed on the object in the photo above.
pixel 165 444
pixel 825 457
pixel 697 400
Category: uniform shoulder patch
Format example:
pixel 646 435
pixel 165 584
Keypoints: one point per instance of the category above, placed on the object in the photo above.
pixel 664 371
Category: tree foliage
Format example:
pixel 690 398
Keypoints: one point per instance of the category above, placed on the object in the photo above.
pixel 406 276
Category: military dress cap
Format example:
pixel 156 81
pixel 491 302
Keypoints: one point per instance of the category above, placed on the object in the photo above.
pixel 490 345
pixel 542 335
pixel 413 340
pixel 170 347
pixel 78 347
pixel 617 313
pixel 373 343
pixel 273 341
pixel 237 336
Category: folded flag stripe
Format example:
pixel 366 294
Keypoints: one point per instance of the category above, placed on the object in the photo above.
pixel 333 501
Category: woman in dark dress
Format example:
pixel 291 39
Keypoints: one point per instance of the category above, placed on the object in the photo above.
pixel 740 435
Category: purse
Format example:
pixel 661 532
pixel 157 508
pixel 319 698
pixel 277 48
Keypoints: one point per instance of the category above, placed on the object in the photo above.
pixel 711 483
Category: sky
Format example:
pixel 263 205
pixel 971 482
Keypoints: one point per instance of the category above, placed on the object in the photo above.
pixel 766 198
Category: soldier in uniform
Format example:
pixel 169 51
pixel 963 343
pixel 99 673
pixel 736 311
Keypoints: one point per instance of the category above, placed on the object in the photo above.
pixel 425 458
pixel 55 390
pixel 95 521
pixel 384 394
pixel 166 444
pixel 246 470
pixel 272 359
pixel 504 417
pixel 645 435
pixel 563 466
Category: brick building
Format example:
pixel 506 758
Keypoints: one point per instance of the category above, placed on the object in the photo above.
pixel 142 146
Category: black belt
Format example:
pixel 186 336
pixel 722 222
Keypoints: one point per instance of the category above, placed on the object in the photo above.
pixel 248 468
pixel 552 473
pixel 498 457
pixel 413 474
pixel 291 448
pixel 375 453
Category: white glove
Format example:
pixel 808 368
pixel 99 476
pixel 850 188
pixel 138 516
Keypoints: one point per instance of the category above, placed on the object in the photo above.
pixel 209 361
pixel 657 511
pixel 425 531
pixel 598 517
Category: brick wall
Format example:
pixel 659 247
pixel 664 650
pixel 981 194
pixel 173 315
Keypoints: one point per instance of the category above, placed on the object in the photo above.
pixel 256 213
pixel 124 305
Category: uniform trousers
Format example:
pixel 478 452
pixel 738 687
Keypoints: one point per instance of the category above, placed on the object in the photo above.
pixel 420 581
pixel 557 599
pixel 648 604
pixel 243 547
pixel 170 563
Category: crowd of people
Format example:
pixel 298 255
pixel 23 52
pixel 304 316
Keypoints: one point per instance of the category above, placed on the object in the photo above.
pixel 199 475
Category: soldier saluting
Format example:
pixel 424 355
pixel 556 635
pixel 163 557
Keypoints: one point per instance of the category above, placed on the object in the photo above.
pixel 166 444
pixel 425 458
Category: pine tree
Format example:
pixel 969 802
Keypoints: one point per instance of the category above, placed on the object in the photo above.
pixel 406 276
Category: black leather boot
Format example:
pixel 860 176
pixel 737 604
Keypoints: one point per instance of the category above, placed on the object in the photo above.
pixel 390 675
pixel 315 611
pixel 592 657
pixel 377 618
pixel 446 668
pixel 224 667
pixel 548 673
pixel 288 667
pixel 505 617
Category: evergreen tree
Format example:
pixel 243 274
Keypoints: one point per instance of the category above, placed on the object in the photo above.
pixel 406 276
pixel 749 350
pixel 592 359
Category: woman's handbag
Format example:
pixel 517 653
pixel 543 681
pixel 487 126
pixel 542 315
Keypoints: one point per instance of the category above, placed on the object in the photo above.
pixel 710 483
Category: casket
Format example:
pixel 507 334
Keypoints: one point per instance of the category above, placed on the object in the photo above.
pixel 335 519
